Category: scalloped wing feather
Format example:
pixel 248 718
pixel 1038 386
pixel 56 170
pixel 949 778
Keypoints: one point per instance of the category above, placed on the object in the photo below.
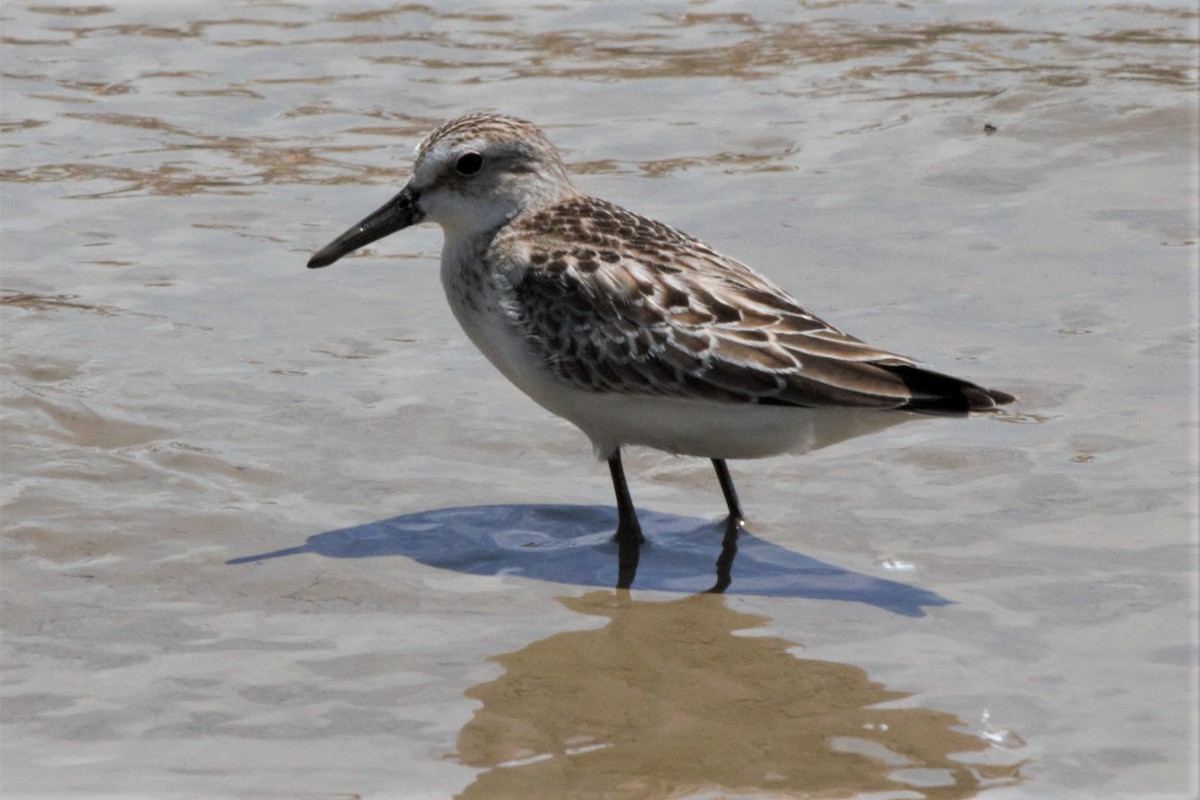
pixel 615 302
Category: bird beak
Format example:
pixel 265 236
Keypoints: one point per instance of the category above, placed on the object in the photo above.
pixel 396 214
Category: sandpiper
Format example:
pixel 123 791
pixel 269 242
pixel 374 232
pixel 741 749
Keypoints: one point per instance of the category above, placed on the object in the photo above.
pixel 633 331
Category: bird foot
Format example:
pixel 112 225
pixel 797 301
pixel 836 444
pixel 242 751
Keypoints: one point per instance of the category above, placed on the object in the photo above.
pixel 734 525
pixel 629 551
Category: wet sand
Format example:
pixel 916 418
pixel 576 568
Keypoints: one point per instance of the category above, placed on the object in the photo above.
pixel 280 533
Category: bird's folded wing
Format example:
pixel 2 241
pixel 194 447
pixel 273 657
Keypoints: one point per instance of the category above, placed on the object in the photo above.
pixel 615 302
pixel 626 327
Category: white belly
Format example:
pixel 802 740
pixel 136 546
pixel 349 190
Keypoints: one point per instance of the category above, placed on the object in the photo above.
pixel 710 429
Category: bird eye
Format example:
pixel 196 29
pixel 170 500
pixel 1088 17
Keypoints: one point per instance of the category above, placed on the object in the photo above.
pixel 468 163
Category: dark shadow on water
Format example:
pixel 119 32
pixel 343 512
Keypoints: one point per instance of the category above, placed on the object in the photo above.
pixel 574 545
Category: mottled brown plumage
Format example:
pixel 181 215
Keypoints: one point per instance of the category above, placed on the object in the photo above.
pixel 611 301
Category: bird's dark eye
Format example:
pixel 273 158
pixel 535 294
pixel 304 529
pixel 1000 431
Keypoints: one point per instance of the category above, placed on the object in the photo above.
pixel 468 163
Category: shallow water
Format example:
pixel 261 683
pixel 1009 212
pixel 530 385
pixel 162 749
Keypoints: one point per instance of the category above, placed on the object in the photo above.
pixel 997 606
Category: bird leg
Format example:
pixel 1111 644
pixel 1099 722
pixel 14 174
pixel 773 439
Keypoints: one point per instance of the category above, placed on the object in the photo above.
pixel 629 532
pixel 731 498
pixel 733 527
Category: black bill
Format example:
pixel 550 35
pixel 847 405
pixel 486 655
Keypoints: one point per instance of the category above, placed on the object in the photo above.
pixel 396 214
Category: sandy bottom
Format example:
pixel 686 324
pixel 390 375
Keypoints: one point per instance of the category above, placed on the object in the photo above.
pixel 274 533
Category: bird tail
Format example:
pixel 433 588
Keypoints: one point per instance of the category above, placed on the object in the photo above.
pixel 935 393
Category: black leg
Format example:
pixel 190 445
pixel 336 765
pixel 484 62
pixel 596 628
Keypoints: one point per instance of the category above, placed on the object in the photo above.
pixel 733 526
pixel 629 532
pixel 731 498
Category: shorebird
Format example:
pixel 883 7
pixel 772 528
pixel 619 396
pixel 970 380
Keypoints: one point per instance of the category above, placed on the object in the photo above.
pixel 635 332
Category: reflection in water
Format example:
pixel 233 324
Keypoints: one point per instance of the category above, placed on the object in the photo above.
pixel 666 701
pixel 574 545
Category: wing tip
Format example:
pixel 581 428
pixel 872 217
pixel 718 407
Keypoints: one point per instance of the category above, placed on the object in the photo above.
pixel 935 393
pixel 986 401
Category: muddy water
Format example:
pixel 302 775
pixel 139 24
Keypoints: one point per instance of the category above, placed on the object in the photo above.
pixel 277 533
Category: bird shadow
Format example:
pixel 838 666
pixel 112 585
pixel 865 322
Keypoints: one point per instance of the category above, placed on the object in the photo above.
pixel 574 544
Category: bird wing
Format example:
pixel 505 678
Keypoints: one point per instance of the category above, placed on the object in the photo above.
pixel 614 302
